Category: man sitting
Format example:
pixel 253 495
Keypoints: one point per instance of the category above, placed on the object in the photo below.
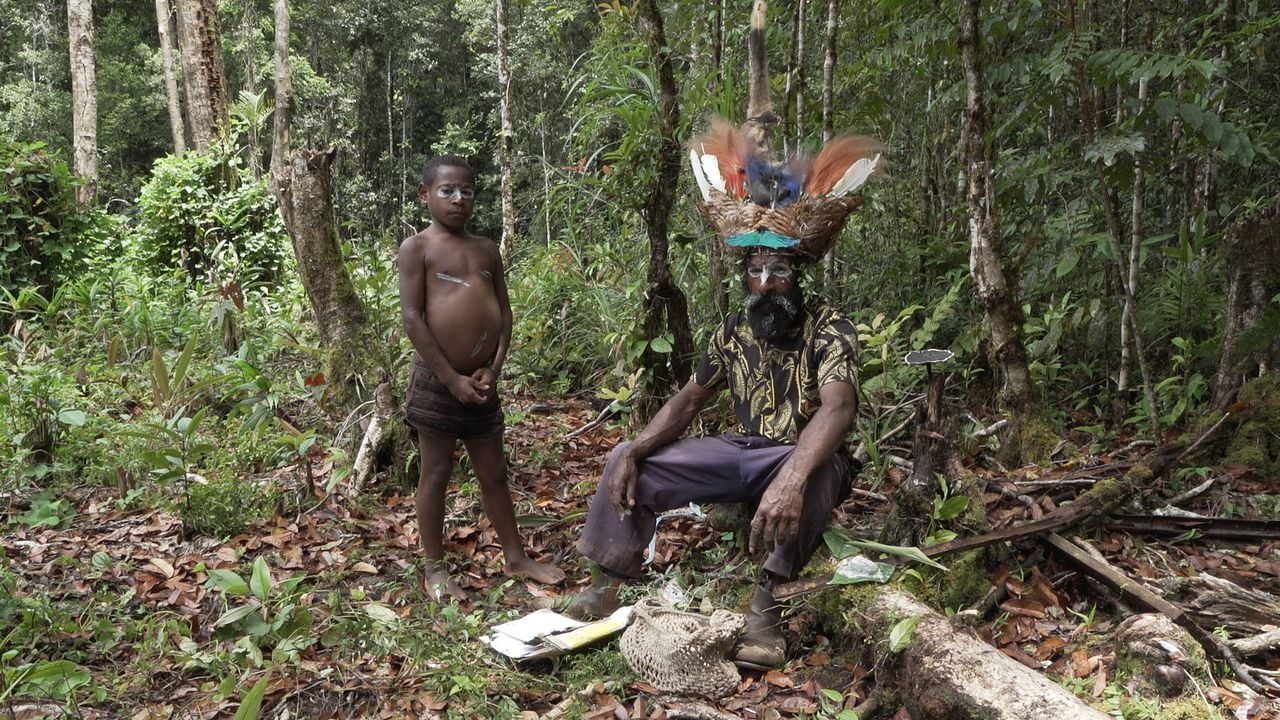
pixel 791 371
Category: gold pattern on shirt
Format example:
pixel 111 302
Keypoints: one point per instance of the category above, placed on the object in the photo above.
pixel 774 387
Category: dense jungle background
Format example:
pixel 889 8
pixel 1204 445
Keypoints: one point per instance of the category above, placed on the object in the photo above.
pixel 207 491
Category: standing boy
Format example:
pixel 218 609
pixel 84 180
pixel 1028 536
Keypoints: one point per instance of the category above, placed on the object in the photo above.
pixel 453 302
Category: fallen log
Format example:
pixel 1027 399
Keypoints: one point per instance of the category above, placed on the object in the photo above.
pixel 946 674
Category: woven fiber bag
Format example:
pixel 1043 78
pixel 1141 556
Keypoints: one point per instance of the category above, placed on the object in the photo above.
pixel 681 652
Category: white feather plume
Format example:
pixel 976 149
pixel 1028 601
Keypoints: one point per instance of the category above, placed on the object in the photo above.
pixel 711 166
pixel 698 176
pixel 855 176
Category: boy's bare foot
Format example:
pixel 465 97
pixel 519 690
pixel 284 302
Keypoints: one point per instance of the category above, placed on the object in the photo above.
pixel 439 585
pixel 544 573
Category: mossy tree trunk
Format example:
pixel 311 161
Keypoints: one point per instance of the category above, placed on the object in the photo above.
pixel 1251 336
pixel 306 200
pixel 665 305
pixel 991 280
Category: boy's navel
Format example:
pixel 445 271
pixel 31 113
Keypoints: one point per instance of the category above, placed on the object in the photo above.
pixel 450 278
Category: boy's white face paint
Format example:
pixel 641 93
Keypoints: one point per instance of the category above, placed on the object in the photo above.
pixel 465 192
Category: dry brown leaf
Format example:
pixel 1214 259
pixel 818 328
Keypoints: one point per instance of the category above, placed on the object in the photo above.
pixel 778 679
pixel 1100 682
pixel 818 659
pixel 164 566
pixel 364 567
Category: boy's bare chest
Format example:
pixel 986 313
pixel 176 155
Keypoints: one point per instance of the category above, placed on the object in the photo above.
pixel 461 270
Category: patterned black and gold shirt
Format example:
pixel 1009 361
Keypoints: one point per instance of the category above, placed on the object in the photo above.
pixel 774 387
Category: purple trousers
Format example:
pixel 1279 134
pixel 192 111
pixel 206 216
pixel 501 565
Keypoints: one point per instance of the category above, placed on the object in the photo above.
pixel 724 469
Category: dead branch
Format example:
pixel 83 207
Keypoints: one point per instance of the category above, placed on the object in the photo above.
pixel 687 710
pixel 560 708
pixel 1257 644
pixel 991 429
pixel 1093 505
pixel 1119 581
pixel 1195 491
pixel 603 417
pixel 1224 528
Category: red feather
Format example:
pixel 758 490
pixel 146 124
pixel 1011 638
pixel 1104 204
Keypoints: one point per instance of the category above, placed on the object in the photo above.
pixel 731 150
pixel 835 158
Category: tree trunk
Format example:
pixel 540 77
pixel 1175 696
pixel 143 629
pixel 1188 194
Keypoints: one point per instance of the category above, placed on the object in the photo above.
pixel 1253 278
pixel 760 118
pixel 665 304
pixel 164 23
pixel 507 134
pixel 828 110
pixel 1007 353
pixel 305 194
pixel 1129 318
pixel 203 74
pixel 284 97
pixel 798 68
pixel 248 42
pixel 829 71
pixel 84 98
pixel 945 674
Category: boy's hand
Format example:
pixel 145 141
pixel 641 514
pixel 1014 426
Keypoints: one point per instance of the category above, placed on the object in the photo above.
pixel 467 389
pixel 485 379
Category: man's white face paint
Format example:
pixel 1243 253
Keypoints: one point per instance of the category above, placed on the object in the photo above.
pixel 780 270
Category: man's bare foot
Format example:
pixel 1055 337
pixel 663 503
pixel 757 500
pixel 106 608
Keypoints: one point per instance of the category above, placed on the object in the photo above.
pixel 439 585
pixel 592 603
pixel 544 573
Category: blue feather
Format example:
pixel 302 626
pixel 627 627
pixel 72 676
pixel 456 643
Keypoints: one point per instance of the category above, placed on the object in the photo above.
pixel 762 238
pixel 770 185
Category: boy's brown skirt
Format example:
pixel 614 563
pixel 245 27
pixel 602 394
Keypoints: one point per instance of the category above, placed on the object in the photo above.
pixel 430 408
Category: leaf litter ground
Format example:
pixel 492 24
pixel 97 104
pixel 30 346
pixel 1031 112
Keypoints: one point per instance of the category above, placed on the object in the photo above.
pixel 126 598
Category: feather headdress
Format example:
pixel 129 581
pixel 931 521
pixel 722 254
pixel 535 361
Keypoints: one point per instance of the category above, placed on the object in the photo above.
pixel 798 205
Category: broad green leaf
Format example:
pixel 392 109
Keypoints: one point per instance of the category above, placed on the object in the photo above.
pixel 843 545
pixel 382 613
pixel 235 615
pixel 184 361
pixel 1067 262
pixel 952 507
pixel 252 703
pixel 260 580
pixel 228 582
pixel 159 377
pixel 901 634
pixel 660 345
pixel 74 418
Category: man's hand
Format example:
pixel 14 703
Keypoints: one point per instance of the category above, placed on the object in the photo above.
pixel 467 389
pixel 622 487
pixel 777 519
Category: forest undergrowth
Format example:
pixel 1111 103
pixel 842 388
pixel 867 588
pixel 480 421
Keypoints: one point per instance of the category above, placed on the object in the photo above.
pixel 115 610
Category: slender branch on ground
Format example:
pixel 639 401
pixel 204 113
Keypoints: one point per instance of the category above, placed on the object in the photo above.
pixel 1195 491
pixel 991 429
pixel 604 416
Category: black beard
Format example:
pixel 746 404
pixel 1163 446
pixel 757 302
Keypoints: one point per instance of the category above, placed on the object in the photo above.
pixel 773 317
